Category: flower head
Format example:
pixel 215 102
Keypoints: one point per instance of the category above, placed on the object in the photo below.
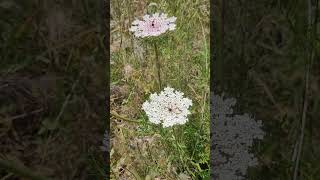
pixel 232 137
pixel 153 25
pixel 169 107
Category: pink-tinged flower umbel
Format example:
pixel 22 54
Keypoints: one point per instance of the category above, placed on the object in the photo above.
pixel 153 25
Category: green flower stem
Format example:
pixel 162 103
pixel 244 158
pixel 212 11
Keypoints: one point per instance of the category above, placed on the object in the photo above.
pixel 158 64
pixel 175 144
pixel 180 151
pixel 116 115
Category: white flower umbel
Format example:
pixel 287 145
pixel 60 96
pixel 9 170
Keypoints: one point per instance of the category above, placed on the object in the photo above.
pixel 232 137
pixel 153 25
pixel 169 107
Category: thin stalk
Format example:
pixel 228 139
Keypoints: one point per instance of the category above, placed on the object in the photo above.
pixel 306 90
pixel 158 65
pixel 303 123
pixel 175 141
pixel 164 135
pixel 116 115
pixel 134 173
pixel 180 151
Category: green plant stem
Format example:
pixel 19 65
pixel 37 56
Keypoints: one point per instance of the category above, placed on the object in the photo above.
pixel 134 173
pixel 116 115
pixel 20 170
pixel 158 64
pixel 306 89
pixel 179 151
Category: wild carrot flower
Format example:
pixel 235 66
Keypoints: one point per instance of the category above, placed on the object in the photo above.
pixel 153 25
pixel 233 136
pixel 168 108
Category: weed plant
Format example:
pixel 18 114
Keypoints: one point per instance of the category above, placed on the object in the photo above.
pixel 140 149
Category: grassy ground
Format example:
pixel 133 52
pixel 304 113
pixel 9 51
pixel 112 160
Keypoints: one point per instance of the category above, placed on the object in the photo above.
pixel 263 54
pixel 52 87
pixel 137 148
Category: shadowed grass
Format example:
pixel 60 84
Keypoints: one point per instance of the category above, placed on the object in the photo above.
pixel 263 61
pixel 52 87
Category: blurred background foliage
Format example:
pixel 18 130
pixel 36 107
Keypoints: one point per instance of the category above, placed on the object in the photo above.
pixel 265 54
pixel 52 87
